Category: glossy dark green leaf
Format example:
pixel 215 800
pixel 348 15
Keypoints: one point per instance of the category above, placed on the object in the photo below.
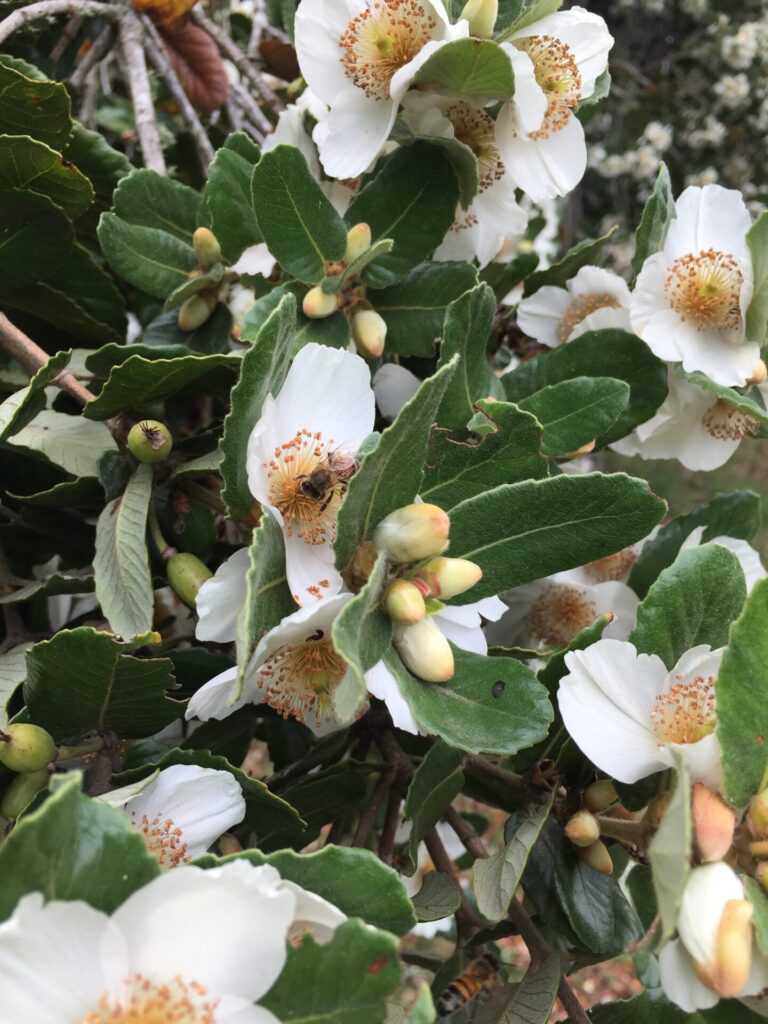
pixel 27 163
pixel 530 1002
pixel 154 260
pixel 38 108
pixel 575 412
pixel 657 215
pixel 155 201
pixel 467 327
pixel 229 202
pixel 103 165
pixel 476 70
pixel 22 406
pixel 435 784
pixel 35 236
pixel 463 160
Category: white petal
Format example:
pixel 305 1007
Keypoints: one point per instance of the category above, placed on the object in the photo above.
pixel 354 133
pixel 585 34
pixel 545 168
pixel 706 892
pixel 525 112
pixel 711 217
pixel 382 684
pixel 212 699
pixel 231 1010
pixel 467 638
pixel 596 281
pixel 313 912
pixel 319 26
pixel 539 316
pixel 704 760
pixel 697 661
pixel 621 601
pixel 393 386
pixel 256 259
pixel 297 627
pixel 601 320
pixel 312 575
pixel 679 980
pixel 220 599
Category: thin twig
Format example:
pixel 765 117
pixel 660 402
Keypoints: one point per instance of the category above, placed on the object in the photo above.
pixel 68 33
pixel 141 93
pixel 259 22
pixel 389 829
pixel 99 48
pixel 251 109
pixel 467 921
pixel 472 842
pixel 513 782
pixel 90 94
pixel 368 816
pixel 48 8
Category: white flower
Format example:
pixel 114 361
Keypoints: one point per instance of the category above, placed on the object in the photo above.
pixel 556 61
pixel 692 426
pixel 182 810
pixel 690 299
pixel 324 410
pixel 359 57
pixel 658 135
pixel 393 386
pixel 627 713
pixel 749 559
pixel 212 942
pixel 220 599
pixel 592 300
pixel 715 939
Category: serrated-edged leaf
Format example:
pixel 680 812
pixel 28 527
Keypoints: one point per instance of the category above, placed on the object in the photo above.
pixel 575 412
pixel 39 108
pixel 580 255
pixel 71 442
pixel 121 562
pixel 670 851
pixel 297 221
pixel 13 672
pixel 495 705
pixel 467 327
pixel 67 850
pixel 546 526
pixel 530 1002
pixel 437 898
pixel 477 70
pixel 757 312
pixel 435 784
pixel 154 200
pixel 35 236
pixel 389 476
pixel 22 406
pixel 692 602
pixel 496 878
pixel 229 202
pixel 657 215
pixel 263 371
pixel 148 258
pixel 85 680
pixel 27 163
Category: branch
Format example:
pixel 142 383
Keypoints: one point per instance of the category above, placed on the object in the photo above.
pixel 368 816
pixel 47 8
pixel 513 782
pixel 473 844
pixel 98 50
pixel 141 93
pixel 68 33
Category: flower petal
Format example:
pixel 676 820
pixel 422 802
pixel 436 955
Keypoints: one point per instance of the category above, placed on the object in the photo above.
pixel 679 980
pixel 220 599
pixel 212 699
pixel 393 386
pixel 382 684
pixel 545 168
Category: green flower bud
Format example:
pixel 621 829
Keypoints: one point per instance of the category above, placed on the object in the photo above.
pixel 369 331
pixel 481 15
pixel 207 248
pixel 186 574
pixel 425 651
pixel 195 310
pixel 404 602
pixel 26 748
pixel 600 795
pixel 597 856
pixel 583 829
pixel 358 240
pixel 150 441
pixel 448 577
pixel 318 304
pixel 21 792
pixel 412 532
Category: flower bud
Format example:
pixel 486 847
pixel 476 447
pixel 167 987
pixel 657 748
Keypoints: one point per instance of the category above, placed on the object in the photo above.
pixel 481 15
pixel 597 857
pixel 404 602
pixel 207 248
pixel 425 651
pixel 21 792
pixel 186 574
pixel 195 310
pixel 412 532
pixel 318 304
pixel 358 240
pixel 149 441
pixel 600 795
pixel 584 450
pixel 713 824
pixel 758 813
pixel 761 874
pixel 729 969
pixel 759 374
pixel 447 577
pixel 759 848
pixel 26 748
pixel 583 829
pixel 369 331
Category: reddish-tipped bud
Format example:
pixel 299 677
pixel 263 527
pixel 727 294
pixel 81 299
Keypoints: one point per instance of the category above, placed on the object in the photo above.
pixel 195 310
pixel 425 651
pixel 207 248
pixel 369 331
pixel 583 829
pixel 448 577
pixel 26 748
pixel 597 856
pixel 318 304
pixel 358 240
pixel 412 532
pixel 150 441
pixel 21 792
pixel 186 574
pixel 481 15
pixel 600 795
pixel 713 824
pixel 404 602
pixel 758 814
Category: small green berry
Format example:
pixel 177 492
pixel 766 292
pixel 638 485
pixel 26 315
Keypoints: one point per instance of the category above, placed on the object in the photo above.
pixel 21 792
pixel 26 748
pixel 150 441
pixel 186 574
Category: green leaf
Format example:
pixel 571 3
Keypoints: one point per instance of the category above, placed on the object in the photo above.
pixel 546 526
pixel 670 852
pixel 35 236
pixel 25 163
pixel 477 70
pixel 515 15
pixel 414 309
pixel 411 200
pixel 556 668
pixel 70 582
pixel 13 672
pixel 344 982
pixel 152 200
pixel 437 898
pixel 751 408
pixel 457 470
pixel 228 198
pixel 70 494
pixel 742 713
pixel 198 283
pixel 71 442
pixel 121 562
pixel 495 705
pixel 263 371
pixel 68 849
pixel 210 338
pixel 576 411
pixel 362 634
pixel 139 382
pixel 757 313
pixel 85 680
pixel 99 162
pixel 468 323
pixel 436 783
pixel 296 219
pixel 21 407
pixel 495 879
pixel 582 254
pixel 503 277
pixel 646 1008
pixel 38 108
pixel 389 476
pixel 530 1002
pixel 658 213
pixel 148 258
pixel 692 602
pixel 201 466
pixel 463 160
pixel 608 353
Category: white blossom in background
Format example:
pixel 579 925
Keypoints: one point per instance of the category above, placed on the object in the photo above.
pixel 212 942
pixel 592 300
pixel 732 91
pixel 556 61
pixel 628 713
pixel 360 58
pixel 690 299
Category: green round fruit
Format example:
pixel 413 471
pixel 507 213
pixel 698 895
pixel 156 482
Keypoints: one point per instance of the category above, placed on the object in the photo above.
pixel 21 792
pixel 26 748
pixel 186 574
pixel 150 441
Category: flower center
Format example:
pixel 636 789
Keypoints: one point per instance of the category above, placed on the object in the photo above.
pixel 704 290
pixel 163 838
pixel 476 129
pixel 725 422
pixel 149 1002
pixel 301 677
pixel 612 567
pixel 559 613
pixel 305 486
pixel 580 308
pixel 384 37
pixel 686 712
pixel 558 76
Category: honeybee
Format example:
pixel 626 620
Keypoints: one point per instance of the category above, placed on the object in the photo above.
pixel 481 975
pixel 336 470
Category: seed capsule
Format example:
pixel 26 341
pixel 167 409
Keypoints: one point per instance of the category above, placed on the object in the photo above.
pixel 150 441
pixel 26 748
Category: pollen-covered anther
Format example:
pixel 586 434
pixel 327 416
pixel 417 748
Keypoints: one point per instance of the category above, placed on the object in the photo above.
pixel 148 1002
pixel 559 613
pixel 613 567
pixel 726 422
pixel 163 838
pixel 301 677
pixel 558 75
pixel 383 38
pixel 476 129
pixel 580 308
pixel 686 712
pixel 704 289
pixel 311 518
